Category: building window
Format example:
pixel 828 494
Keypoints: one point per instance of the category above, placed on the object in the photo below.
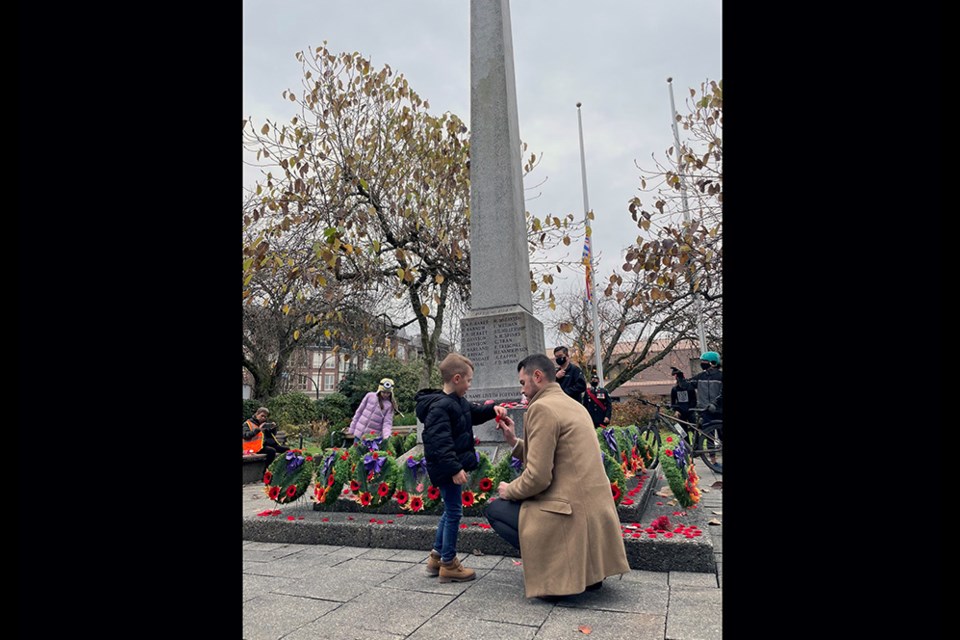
pixel 328 383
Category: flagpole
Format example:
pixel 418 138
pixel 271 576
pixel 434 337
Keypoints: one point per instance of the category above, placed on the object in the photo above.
pixel 593 287
pixel 698 303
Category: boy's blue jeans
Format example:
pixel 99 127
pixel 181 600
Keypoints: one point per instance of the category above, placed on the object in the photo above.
pixel 449 526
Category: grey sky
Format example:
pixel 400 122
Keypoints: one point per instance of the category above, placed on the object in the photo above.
pixel 613 56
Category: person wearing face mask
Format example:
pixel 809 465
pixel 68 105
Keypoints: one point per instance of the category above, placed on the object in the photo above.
pixel 709 386
pixel 569 375
pixel 597 401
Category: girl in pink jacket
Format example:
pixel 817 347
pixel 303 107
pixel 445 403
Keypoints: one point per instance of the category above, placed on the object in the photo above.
pixel 375 413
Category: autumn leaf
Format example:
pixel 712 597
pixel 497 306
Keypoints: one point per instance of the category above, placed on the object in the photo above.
pixel 566 327
pixel 584 629
pixel 713 521
pixel 717 513
pixel 425 310
pixel 296 334
pixel 665 492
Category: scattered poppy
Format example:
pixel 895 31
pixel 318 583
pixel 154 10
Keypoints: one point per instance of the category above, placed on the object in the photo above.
pixel 299 517
pixel 660 504
pixel 290 518
pixel 326 519
pixel 668 534
pixel 463 526
pixel 349 517
pixel 636 535
pixel 652 535
pixel 379 521
pixel 276 512
pixel 389 521
pixel 627 501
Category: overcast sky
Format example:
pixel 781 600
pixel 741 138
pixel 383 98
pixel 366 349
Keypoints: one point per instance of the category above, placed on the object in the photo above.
pixel 613 56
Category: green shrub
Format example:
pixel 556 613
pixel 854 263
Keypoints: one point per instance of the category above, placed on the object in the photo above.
pixel 290 409
pixel 334 409
pixel 249 408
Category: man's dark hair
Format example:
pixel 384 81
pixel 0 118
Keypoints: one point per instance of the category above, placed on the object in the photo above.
pixel 542 362
pixel 564 349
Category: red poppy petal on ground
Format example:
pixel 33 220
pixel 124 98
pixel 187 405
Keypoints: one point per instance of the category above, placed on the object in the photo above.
pixel 389 521
pixel 399 515
pixel 379 521
pixel 660 504
pixel 676 513
pixel 290 518
pixel 299 517
pixel 276 512
pixel 626 501
pixel 652 535
pixel 373 519
pixel 517 563
pixel 326 519
pixel 349 517
pixel 636 535
pixel 463 526
pixel 649 529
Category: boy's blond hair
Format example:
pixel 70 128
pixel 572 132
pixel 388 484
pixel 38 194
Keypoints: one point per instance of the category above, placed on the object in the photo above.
pixel 453 364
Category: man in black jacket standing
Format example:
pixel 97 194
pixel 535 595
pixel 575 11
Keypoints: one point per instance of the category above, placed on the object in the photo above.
pixel 569 375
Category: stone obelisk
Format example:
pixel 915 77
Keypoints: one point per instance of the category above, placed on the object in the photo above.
pixel 499 329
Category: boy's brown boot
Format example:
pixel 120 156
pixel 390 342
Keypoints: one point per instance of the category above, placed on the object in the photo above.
pixel 433 564
pixel 453 571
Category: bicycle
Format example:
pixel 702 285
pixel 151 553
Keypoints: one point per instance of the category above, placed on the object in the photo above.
pixel 703 438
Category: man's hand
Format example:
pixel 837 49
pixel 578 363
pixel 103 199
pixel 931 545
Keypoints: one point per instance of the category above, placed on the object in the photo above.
pixel 506 425
pixel 502 489
pixel 606 421
pixel 561 373
pixel 500 411
pixel 460 478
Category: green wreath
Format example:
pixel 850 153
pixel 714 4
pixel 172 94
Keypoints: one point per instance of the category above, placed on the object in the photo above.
pixel 479 487
pixel 397 445
pixel 678 467
pixel 373 479
pixel 618 481
pixel 288 476
pixel 332 472
pixel 507 470
pixel 415 493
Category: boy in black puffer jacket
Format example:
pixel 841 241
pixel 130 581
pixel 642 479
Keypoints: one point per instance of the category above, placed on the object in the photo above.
pixel 448 446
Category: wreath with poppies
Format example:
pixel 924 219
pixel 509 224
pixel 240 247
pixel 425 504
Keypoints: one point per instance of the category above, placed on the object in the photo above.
pixel 288 476
pixel 479 487
pixel 373 478
pixel 623 444
pixel 397 445
pixel 677 465
pixel 333 471
pixel 414 492
pixel 618 481
pixel 507 470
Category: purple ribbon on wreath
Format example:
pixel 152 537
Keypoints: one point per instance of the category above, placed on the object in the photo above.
pixel 328 464
pixel 373 464
pixel 611 441
pixel 416 467
pixel 373 444
pixel 680 455
pixel 516 464
pixel 293 461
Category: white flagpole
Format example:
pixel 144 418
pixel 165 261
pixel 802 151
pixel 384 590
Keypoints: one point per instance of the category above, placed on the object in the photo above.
pixel 593 286
pixel 698 302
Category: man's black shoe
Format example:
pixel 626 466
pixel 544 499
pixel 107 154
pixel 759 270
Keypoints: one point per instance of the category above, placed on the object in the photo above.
pixel 595 586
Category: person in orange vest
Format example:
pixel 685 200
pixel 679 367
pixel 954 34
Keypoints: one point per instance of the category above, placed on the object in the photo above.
pixel 259 436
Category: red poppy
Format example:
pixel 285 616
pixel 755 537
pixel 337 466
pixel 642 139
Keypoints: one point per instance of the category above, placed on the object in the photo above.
pixel 652 535
pixel 669 452
pixel 267 478
pixel 486 484
pixel 668 534
pixel 291 491
pixel 375 455
pixel 373 520
pixel 330 480
pixel 354 486
pixel 309 458
pixel 326 519
pixel 389 521
pixel 615 489
pixel 623 456
pixel 379 521
pixel 401 497
pixel 383 490
pixel 467 498
pixel 349 517
pixel 463 526
pixel 433 493
pixel 365 499
pixel 274 493
pixel 669 439
pixel 320 494
pixel 344 456
pixel 483 525
pixel 416 503
pixel 370 476
pixel 346 491
pixel 626 501
pixel 636 535
pixel 290 518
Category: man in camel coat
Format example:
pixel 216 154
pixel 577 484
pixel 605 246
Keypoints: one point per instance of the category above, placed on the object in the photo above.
pixel 559 512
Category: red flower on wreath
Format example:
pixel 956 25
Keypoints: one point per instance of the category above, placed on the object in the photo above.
pixel 320 494
pixel 345 456
pixel 416 503
pixel 291 491
pixel 486 484
pixel 467 498
pixel 615 489
pixel 401 497
pixel 433 493
pixel 267 478
pixel 365 499
pixel 669 452
pixel 354 486
pixel 273 493
pixel 669 439
pixel 383 490
pixel 330 480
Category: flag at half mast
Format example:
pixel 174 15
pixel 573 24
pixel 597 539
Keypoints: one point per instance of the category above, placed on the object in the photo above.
pixel 588 263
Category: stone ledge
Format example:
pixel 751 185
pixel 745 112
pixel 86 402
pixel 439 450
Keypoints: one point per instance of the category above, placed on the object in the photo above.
pixel 254 466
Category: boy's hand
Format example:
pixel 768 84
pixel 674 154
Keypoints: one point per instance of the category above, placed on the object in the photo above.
pixel 500 411
pixel 460 478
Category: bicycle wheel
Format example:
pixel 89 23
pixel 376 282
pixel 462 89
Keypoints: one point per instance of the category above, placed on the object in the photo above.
pixel 710 448
pixel 649 440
